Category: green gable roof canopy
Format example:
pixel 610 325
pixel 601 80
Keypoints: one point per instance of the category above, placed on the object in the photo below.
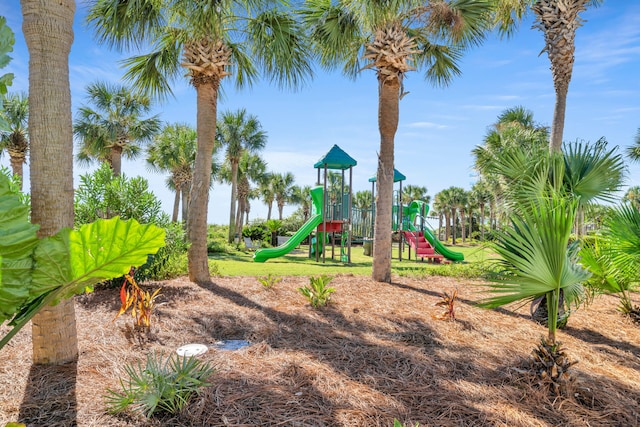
pixel 336 158
pixel 397 176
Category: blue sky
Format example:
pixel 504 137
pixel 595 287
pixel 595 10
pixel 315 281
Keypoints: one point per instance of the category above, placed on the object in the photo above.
pixel 438 126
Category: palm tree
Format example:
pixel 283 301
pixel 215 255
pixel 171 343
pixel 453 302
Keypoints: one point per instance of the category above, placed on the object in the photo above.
pixel 393 38
pixel 251 169
pixel 211 40
pixel 174 151
pixel 514 126
pixel 302 196
pixel 48 31
pixel 282 188
pixel 632 196
pixel 458 198
pixel 239 133
pixel 559 20
pixel 481 195
pixel 15 111
pixel 633 152
pixel 443 204
pixel 116 126
pixel 265 188
pixel 414 192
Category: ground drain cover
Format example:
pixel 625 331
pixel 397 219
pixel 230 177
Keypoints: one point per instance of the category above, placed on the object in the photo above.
pixel 230 344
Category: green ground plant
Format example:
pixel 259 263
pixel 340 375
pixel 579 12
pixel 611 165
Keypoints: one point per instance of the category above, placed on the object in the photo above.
pixel 159 386
pixel 613 258
pixel 269 281
pixel 318 293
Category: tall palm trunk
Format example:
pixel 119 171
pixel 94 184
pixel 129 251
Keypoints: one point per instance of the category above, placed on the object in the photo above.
pixel 116 159
pixel 453 226
pixel 463 225
pixel 447 226
pixel 207 101
pixel 176 205
pixel 280 210
pixel 17 160
pixel 48 31
pixel 558 20
pixel 388 117
pixel 185 192
pixel 482 221
pixel 234 198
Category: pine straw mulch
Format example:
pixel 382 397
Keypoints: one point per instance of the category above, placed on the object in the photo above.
pixel 375 354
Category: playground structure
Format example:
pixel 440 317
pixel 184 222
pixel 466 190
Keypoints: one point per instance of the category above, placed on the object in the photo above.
pixel 336 221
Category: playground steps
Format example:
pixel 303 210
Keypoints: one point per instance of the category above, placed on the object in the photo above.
pixel 421 246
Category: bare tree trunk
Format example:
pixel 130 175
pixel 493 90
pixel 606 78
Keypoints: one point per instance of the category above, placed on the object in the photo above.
pixel 557 126
pixel 48 30
pixel 176 205
pixel 234 198
pixel 388 117
pixel 482 222
pixel 185 193
pixel 269 211
pixel 16 167
pixel 453 226
pixel 462 226
pixel 207 93
pixel 447 227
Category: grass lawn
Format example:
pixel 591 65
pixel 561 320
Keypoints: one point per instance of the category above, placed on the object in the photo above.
pixel 298 263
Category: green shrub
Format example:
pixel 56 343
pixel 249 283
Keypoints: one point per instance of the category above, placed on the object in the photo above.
pixel 159 386
pixel 255 232
pixel 171 260
pixel 318 294
pixel 101 195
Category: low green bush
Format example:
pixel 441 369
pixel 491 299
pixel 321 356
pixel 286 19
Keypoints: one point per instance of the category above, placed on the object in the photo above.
pixel 159 386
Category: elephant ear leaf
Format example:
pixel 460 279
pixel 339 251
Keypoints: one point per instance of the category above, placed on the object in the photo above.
pixel 75 261
pixel 17 241
pixel 71 262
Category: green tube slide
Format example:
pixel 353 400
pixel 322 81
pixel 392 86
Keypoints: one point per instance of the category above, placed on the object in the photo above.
pixel 415 209
pixel 315 220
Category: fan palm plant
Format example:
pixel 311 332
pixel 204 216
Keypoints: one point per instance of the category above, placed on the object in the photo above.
pixel 115 128
pixel 174 151
pixel 265 188
pixel 538 260
pixel 282 187
pixel 15 112
pixel 615 261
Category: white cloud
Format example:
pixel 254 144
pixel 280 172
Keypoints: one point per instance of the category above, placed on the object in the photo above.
pixel 427 125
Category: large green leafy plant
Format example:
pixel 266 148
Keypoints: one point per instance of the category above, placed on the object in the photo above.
pixel 38 272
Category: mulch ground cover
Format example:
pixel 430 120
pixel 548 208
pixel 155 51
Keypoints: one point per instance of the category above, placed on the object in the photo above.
pixel 376 353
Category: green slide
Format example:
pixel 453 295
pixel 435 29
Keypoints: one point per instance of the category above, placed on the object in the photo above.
pixel 415 213
pixel 262 255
